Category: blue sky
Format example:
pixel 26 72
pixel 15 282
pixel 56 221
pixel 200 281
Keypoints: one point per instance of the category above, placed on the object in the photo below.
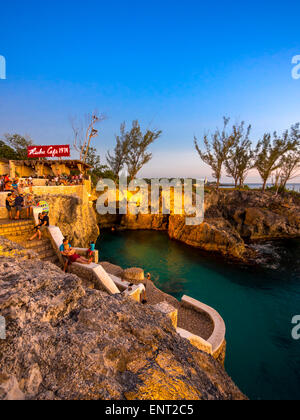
pixel 178 66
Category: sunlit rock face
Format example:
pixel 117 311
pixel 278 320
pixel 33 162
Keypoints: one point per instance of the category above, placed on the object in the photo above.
pixel 232 220
pixel 10 249
pixel 215 235
pixel 68 342
pixel 75 218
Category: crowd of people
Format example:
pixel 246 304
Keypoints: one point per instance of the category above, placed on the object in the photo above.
pixel 65 180
pixel 14 185
pixel 11 185
pixel 16 202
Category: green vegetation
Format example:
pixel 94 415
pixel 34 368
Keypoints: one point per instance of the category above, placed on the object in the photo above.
pixel 272 152
pixel 14 147
pixel 217 150
pixel 132 149
pixel 274 156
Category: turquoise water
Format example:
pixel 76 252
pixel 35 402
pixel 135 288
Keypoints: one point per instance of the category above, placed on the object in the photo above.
pixel 257 304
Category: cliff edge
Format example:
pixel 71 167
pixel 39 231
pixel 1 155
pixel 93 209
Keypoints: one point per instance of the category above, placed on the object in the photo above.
pixel 233 220
pixel 67 342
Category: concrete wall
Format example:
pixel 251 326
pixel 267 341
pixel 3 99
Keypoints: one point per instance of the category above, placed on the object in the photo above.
pixel 60 190
pixel 217 341
pixel 81 191
pixel 4 168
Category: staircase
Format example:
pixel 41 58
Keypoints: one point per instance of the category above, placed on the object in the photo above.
pixel 19 231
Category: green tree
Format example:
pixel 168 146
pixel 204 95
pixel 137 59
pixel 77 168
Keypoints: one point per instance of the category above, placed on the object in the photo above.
pixel 240 157
pixel 289 167
pixel 271 149
pixel 138 143
pixel 6 152
pixel 97 171
pixel 117 160
pixel 217 149
pixel 18 144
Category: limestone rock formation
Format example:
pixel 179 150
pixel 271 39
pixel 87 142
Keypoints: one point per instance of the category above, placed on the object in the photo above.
pixel 68 342
pixel 215 235
pixel 262 216
pixel 75 219
pixel 148 221
pixel 232 220
pixel 11 249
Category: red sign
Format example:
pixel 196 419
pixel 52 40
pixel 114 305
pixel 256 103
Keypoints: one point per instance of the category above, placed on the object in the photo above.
pixel 48 151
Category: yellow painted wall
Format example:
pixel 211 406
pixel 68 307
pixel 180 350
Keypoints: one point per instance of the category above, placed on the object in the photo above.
pixel 4 168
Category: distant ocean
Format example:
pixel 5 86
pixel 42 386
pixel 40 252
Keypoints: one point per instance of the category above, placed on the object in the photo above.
pixel 292 187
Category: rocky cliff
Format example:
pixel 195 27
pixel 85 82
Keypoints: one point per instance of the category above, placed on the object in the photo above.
pixel 75 219
pixel 65 341
pixel 233 219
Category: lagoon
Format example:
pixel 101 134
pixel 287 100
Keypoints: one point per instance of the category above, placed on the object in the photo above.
pixel 257 303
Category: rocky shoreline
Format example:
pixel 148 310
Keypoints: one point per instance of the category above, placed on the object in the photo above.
pixel 233 221
pixel 66 341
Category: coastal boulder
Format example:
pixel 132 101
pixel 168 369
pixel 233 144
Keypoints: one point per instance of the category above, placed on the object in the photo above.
pixel 215 235
pixel 134 275
pixel 66 342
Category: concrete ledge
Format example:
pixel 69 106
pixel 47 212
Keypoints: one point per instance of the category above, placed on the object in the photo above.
pixel 97 275
pixel 121 284
pixel 83 253
pixel 218 336
pixel 93 272
pixel 196 341
pixel 135 292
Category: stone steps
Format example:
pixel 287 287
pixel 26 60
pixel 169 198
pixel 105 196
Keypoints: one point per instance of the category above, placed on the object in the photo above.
pixel 43 248
pixel 4 213
pixel 17 232
pixel 35 244
pixel 16 223
pixel 20 232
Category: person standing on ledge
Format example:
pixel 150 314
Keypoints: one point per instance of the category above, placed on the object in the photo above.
pixel 10 202
pixel 19 203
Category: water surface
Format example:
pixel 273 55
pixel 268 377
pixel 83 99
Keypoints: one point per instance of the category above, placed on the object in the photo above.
pixel 257 304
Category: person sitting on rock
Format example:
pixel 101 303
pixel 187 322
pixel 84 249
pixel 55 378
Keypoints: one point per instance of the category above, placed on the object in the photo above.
pixel 43 224
pixel 67 251
pixel 64 252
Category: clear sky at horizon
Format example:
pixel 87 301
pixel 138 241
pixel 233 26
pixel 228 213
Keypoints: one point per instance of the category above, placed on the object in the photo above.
pixel 173 65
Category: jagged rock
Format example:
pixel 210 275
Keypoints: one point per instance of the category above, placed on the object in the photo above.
pixel 12 249
pixel 134 274
pixel 9 388
pixel 232 220
pixel 148 221
pixel 217 235
pixel 76 220
pixel 262 216
pixel 67 342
